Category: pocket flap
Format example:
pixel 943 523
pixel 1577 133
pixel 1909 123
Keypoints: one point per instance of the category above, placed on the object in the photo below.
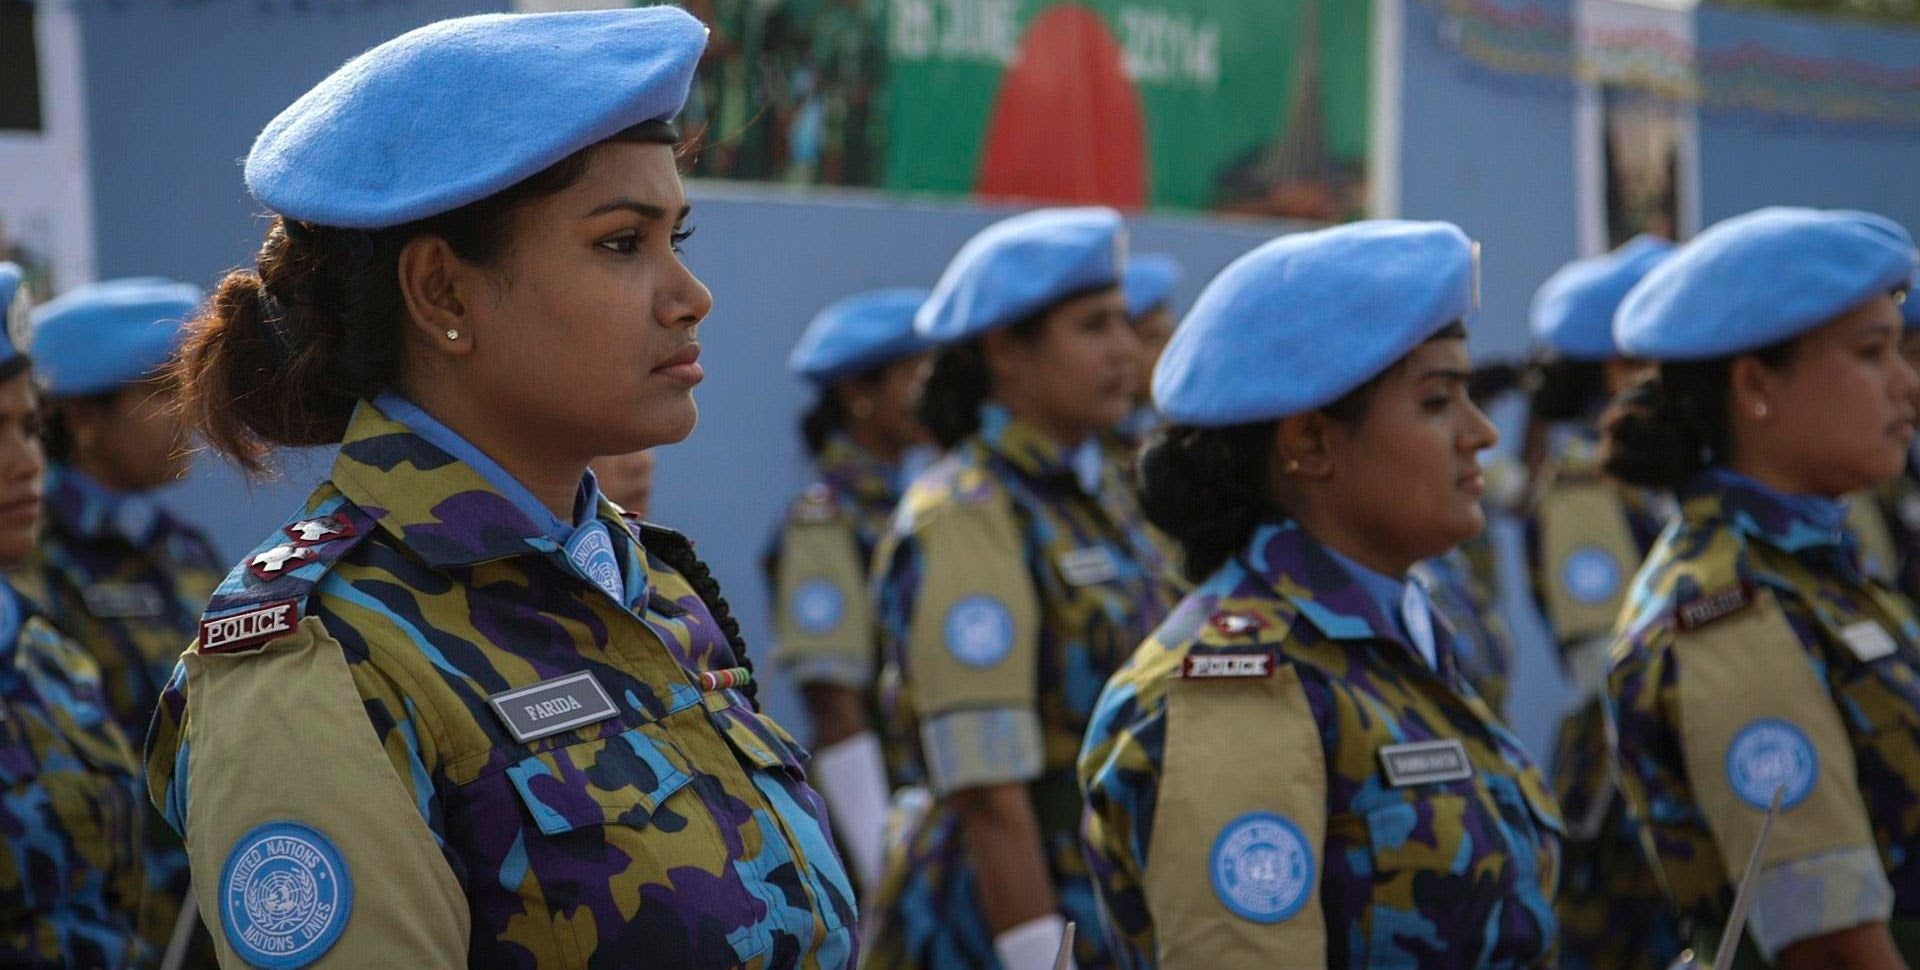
pixel 617 780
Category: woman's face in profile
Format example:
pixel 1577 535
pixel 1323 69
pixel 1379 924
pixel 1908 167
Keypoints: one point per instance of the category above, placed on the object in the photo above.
pixel 590 329
pixel 21 463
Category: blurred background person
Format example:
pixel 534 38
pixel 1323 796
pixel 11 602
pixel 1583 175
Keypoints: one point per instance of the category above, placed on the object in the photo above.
pixel 627 480
pixel 868 366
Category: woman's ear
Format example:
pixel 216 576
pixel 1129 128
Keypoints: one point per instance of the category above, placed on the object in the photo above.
pixel 437 286
pixel 1752 389
pixel 1300 446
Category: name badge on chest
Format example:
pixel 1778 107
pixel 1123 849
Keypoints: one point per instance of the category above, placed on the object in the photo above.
pixel 1425 762
pixel 552 706
pixel 1090 565
pixel 1868 640
pixel 112 601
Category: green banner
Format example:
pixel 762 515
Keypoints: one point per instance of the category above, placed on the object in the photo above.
pixel 1257 106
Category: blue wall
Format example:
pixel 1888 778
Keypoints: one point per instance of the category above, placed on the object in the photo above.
pixel 1749 160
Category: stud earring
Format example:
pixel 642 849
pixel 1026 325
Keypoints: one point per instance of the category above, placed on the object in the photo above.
pixel 1760 409
pixel 1292 465
pixel 453 335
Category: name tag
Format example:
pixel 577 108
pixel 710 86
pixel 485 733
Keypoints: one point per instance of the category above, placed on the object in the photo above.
pixel 553 706
pixel 1085 567
pixel 1868 640
pixel 115 600
pixel 1424 762
pixel 1203 666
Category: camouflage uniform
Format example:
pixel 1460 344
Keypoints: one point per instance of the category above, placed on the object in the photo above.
pixel 1277 778
pixel 359 684
pixel 818 569
pixel 1484 648
pixel 70 868
pixel 1899 505
pixel 127 580
pixel 1586 536
pixel 1753 626
pixel 1007 595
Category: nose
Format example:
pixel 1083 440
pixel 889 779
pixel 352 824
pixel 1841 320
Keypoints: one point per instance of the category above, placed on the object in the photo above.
pixel 682 300
pixel 1481 433
pixel 21 457
pixel 1906 381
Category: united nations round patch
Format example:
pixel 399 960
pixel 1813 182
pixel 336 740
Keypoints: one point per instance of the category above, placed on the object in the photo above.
pixel 979 631
pixel 1771 754
pixel 285 895
pixel 1590 574
pixel 817 606
pixel 1262 867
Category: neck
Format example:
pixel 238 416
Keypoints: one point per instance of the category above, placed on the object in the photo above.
pixel 100 473
pixel 551 473
pixel 1775 477
pixel 874 443
pixel 1063 433
pixel 1353 543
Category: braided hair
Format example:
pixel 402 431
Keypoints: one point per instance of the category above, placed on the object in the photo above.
pixel 676 551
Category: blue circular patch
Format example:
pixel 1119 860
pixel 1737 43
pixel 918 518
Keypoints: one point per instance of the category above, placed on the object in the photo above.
pixel 817 606
pixel 284 896
pixel 1262 867
pixel 979 631
pixel 1590 574
pixel 1770 753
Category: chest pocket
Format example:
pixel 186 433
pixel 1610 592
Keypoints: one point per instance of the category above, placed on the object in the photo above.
pixel 642 811
pixel 1451 862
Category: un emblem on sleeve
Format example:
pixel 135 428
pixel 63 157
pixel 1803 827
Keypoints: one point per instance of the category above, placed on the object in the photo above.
pixel 1590 574
pixel 818 606
pixel 1262 867
pixel 1767 754
pixel 979 631
pixel 284 895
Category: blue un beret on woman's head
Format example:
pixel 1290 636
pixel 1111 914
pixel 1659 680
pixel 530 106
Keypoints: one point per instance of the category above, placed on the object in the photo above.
pixel 15 313
pixel 1758 279
pixel 95 338
pixel 1020 266
pixel 1302 320
pixel 859 333
pixel 1573 311
pixel 458 110
pixel 1910 308
pixel 1149 282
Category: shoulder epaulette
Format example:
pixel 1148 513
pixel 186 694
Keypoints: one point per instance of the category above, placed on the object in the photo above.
pixel 266 594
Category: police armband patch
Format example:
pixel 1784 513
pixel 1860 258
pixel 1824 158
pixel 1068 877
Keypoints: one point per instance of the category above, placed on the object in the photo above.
pixel 249 628
pixel 979 631
pixel 1262 867
pixel 1770 754
pixel 1707 607
pixel 1206 666
pixel 285 895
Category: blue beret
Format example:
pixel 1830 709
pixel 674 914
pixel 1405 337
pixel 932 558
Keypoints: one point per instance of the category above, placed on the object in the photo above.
pixel 1149 282
pixel 17 307
pixel 95 338
pixel 1020 266
pixel 858 333
pixel 1758 279
pixel 1573 312
pixel 458 110
pixel 1910 307
pixel 1306 318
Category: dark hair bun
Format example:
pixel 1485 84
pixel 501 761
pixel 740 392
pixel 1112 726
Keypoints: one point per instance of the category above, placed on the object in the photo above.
pixel 1205 488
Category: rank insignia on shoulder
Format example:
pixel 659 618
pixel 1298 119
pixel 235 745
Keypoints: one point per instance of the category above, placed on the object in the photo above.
pixel 1425 762
pixel 1206 666
pixel 278 561
pixel 326 528
pixel 1708 607
pixel 1236 624
pixel 816 505
pixel 249 628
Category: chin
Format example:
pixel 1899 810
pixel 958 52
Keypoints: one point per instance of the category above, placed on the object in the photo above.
pixel 16 545
pixel 663 425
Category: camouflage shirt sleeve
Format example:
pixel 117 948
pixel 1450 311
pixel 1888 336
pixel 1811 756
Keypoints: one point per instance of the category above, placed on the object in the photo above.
pixel 1120 775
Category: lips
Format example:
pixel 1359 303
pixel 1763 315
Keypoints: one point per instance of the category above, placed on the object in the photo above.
pixel 1474 482
pixel 683 365
pixel 20 506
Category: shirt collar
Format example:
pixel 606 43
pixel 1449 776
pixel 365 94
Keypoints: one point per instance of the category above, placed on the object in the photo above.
pixel 1322 586
pixel 85 508
pixel 1791 523
pixel 1036 454
pixel 440 496
pixel 853 470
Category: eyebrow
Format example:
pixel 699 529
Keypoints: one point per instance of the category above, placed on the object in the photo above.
pixel 645 209
pixel 1447 373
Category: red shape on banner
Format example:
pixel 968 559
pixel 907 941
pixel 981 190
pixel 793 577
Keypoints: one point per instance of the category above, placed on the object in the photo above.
pixel 1066 124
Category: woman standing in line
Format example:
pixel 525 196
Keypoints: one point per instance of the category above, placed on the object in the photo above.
pixel 460 710
pixel 1292 771
pixel 1016 576
pixel 1758 663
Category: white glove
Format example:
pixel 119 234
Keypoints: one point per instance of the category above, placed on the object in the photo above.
pixel 853 778
pixel 1033 945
